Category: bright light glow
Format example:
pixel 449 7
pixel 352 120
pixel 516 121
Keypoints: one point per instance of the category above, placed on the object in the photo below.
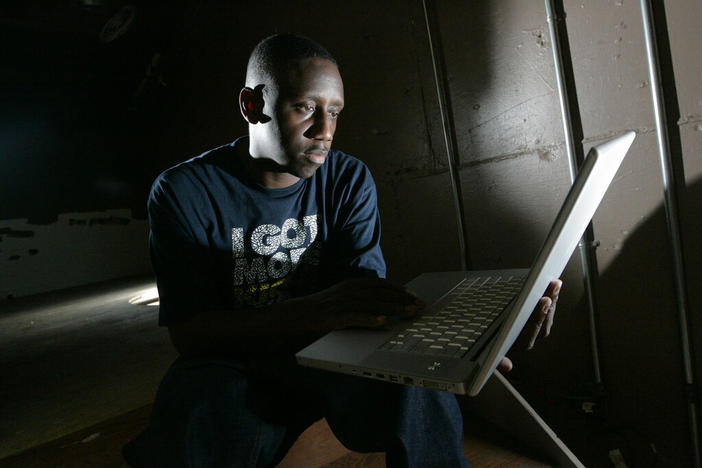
pixel 147 297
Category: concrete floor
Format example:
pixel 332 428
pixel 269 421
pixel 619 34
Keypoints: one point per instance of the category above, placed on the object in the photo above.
pixel 74 358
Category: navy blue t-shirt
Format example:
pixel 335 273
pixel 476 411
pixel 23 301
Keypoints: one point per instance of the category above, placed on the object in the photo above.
pixel 220 240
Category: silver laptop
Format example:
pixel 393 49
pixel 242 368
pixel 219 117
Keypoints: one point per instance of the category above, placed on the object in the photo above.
pixel 458 341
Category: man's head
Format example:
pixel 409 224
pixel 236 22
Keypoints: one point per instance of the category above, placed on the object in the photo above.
pixel 292 98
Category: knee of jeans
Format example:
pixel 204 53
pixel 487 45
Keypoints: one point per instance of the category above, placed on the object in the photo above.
pixel 186 386
pixel 216 436
pixel 208 415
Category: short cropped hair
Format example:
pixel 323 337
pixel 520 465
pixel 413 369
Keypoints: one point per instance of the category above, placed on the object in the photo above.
pixel 277 54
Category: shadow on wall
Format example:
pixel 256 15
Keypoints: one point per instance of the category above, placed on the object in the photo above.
pixel 510 210
pixel 640 354
pixel 639 331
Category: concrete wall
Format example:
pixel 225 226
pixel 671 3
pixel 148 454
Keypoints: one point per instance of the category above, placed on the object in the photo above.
pixel 88 125
pixel 514 176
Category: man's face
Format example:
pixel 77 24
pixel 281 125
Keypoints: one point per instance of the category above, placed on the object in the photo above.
pixel 304 108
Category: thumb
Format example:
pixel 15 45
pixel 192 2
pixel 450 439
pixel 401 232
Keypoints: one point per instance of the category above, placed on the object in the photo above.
pixel 505 365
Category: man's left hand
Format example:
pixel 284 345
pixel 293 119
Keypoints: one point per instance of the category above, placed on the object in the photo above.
pixel 539 324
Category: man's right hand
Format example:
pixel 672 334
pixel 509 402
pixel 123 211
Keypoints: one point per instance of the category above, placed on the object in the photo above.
pixel 362 302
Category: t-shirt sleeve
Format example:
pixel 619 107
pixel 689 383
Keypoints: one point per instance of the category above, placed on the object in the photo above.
pixel 182 262
pixel 359 229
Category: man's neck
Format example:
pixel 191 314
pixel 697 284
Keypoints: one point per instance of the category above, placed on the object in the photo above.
pixel 264 171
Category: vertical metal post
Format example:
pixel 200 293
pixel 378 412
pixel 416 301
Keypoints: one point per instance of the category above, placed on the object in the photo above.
pixel 587 245
pixel 671 211
pixel 449 133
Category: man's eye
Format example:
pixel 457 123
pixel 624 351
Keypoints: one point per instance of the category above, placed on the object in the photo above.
pixel 305 107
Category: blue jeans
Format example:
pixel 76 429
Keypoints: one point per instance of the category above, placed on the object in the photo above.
pixel 220 413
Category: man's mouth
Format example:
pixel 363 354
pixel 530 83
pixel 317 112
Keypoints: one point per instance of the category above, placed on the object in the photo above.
pixel 317 155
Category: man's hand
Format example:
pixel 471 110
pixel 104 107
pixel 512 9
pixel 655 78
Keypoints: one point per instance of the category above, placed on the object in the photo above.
pixel 363 302
pixel 539 324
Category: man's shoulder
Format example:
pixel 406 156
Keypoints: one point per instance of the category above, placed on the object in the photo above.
pixel 201 163
pixel 197 170
pixel 345 168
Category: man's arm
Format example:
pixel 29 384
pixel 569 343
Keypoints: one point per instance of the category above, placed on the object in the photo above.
pixel 361 302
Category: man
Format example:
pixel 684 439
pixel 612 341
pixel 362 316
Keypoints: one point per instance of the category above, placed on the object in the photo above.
pixel 259 247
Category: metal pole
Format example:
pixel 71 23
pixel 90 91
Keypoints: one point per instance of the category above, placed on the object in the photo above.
pixel 587 245
pixel 671 211
pixel 449 135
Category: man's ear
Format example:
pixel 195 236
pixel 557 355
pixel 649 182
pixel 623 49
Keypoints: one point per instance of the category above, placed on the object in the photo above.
pixel 246 104
pixel 251 105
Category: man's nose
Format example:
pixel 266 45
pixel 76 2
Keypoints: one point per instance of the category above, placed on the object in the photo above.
pixel 323 128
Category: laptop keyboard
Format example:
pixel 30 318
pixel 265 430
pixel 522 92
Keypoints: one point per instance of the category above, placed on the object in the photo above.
pixel 454 329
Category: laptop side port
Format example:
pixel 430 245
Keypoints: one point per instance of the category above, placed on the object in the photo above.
pixel 408 380
pixel 434 385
